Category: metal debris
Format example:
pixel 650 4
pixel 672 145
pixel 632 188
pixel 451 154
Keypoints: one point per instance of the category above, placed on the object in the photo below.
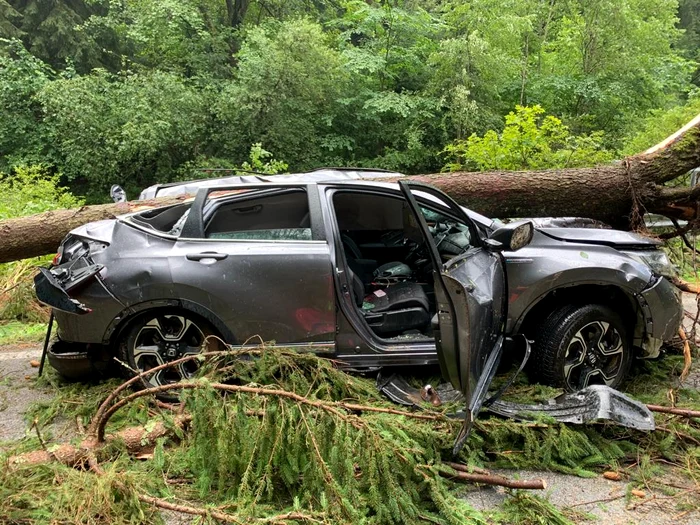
pixel 594 403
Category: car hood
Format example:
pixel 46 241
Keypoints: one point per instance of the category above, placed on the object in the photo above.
pixel 614 238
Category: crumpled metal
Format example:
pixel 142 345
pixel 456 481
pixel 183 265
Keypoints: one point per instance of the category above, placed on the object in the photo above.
pixel 593 403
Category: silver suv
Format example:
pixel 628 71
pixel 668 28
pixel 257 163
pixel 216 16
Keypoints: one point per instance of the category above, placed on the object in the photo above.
pixel 369 272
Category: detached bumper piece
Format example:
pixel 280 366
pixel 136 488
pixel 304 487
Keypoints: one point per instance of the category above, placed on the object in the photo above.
pixel 75 361
pixel 52 285
pixel 594 403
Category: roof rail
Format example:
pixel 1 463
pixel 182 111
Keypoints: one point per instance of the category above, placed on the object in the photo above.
pixel 350 168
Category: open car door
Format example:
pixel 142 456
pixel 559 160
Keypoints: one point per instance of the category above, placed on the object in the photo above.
pixel 470 300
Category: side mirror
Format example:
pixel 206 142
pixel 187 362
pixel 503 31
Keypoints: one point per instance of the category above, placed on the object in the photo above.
pixel 117 193
pixel 511 237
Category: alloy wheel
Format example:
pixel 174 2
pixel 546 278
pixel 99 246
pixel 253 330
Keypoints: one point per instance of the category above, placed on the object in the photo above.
pixel 164 339
pixel 594 356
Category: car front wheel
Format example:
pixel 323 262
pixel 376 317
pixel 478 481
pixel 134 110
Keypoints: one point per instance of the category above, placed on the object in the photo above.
pixel 157 338
pixel 578 346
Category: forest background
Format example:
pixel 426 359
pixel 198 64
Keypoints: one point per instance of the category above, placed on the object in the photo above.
pixel 133 92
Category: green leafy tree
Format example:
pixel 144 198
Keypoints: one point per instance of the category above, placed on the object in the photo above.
pixel 193 83
pixel 689 41
pixel 131 129
pixel 661 123
pixel 188 37
pixel 607 62
pixel 286 93
pixel 391 120
pixel 530 140
pixel 33 189
pixel 51 31
pixel 22 76
pixel 25 191
pixel 482 63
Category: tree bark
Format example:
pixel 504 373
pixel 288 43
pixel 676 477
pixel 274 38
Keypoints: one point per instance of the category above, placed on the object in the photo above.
pixel 617 193
pixel 136 440
pixel 463 474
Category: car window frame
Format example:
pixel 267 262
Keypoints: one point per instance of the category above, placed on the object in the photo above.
pixel 203 208
pixel 329 191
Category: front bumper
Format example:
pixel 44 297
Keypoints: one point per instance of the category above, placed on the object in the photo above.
pixel 663 311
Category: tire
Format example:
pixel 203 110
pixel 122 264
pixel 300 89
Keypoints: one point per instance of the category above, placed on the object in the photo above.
pixel 579 346
pixel 158 337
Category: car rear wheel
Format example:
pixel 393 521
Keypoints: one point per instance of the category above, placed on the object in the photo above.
pixel 157 338
pixel 579 346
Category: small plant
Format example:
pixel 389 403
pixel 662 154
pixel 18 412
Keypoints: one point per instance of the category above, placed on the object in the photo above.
pixel 259 160
pixel 262 161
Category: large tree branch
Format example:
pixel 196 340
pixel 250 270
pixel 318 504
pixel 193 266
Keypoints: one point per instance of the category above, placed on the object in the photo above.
pixel 680 202
pixel 39 234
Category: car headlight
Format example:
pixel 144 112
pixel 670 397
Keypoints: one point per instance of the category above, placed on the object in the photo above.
pixel 656 260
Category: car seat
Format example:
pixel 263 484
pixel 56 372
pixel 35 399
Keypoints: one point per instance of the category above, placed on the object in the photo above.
pixel 392 309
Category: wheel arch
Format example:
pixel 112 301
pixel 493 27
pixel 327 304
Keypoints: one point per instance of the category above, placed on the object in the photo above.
pixel 608 295
pixel 123 321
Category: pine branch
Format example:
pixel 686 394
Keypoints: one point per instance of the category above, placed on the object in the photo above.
pixel 204 512
pixel 494 479
pixel 685 412
pixel 332 407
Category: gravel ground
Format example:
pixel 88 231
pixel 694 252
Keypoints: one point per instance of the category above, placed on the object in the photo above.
pixel 602 500
pixel 17 390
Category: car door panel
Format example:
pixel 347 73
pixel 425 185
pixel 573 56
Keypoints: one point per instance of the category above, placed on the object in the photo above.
pixel 295 277
pixel 470 292
pixel 257 255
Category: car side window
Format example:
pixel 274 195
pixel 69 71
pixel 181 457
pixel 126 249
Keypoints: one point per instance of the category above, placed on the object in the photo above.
pixel 283 216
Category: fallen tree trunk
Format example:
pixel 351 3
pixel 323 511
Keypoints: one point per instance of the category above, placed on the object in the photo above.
pixel 136 440
pixel 617 193
pixel 612 193
pixel 41 234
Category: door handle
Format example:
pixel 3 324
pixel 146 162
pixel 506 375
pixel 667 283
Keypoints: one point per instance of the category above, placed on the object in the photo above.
pixel 206 255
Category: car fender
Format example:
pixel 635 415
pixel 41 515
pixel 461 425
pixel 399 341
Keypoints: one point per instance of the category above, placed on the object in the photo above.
pixel 529 285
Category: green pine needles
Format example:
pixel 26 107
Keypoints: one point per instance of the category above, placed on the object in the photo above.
pixel 352 467
pixel 308 443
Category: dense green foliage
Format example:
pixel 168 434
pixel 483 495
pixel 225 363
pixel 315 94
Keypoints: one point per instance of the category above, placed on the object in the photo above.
pixel 135 92
pixel 528 142
pixel 31 189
